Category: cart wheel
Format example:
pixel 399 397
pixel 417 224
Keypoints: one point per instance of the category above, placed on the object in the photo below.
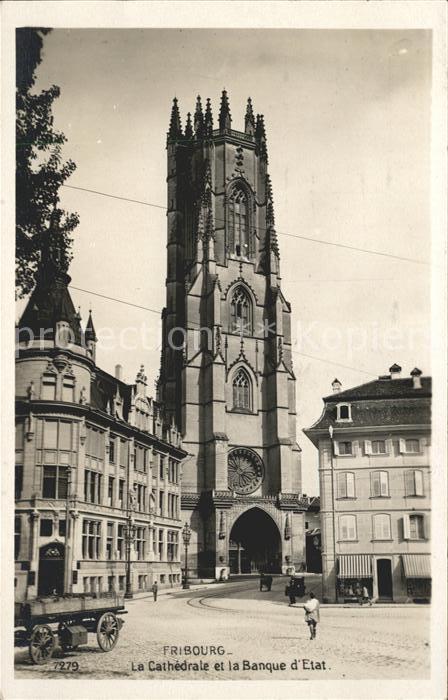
pixel 42 644
pixel 107 631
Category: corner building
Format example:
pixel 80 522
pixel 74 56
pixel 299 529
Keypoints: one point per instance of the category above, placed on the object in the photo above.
pixel 226 366
pixel 375 488
pixel 94 458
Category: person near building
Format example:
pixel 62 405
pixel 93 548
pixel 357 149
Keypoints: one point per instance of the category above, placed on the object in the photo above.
pixel 290 592
pixel 312 614
pixel 365 596
pixel 154 589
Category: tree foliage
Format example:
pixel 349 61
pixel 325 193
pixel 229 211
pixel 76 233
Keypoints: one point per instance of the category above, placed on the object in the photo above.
pixel 40 171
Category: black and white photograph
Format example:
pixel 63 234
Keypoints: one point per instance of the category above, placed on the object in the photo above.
pixel 227 389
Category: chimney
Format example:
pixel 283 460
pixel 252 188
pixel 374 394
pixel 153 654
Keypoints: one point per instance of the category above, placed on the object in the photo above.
pixel 416 378
pixel 119 372
pixel 395 371
pixel 336 385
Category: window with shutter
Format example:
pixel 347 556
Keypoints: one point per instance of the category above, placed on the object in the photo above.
pixel 345 448
pixel 378 447
pixel 347 527
pixel 416 527
pixel 414 482
pixel 406 529
pixel 346 485
pixel 381 526
pixel 380 484
pixel 412 446
pixel 418 479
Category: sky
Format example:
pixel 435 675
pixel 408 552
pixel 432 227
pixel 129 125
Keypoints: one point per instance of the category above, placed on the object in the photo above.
pixel 347 116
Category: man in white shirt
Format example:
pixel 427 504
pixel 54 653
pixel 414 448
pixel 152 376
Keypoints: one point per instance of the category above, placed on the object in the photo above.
pixel 312 614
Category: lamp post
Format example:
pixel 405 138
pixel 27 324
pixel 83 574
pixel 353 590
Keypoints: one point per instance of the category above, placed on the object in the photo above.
pixel 186 535
pixel 129 534
pixel 67 546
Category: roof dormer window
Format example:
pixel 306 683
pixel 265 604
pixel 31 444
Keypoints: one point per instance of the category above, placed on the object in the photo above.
pixel 343 412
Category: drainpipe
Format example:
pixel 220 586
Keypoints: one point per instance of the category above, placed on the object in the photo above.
pixel 330 431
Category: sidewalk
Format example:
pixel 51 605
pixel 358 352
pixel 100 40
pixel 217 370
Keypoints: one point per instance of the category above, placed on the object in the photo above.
pixel 206 586
pixel 171 591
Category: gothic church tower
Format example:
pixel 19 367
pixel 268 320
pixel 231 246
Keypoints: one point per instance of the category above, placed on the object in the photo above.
pixel 226 367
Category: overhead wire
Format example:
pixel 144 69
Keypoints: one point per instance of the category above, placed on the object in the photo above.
pixel 259 228
pixel 197 325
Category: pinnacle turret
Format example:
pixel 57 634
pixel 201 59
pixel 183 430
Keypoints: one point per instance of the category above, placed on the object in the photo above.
pixel 225 119
pixel 188 127
pixel 208 121
pixel 198 118
pixel 249 119
pixel 175 130
pixel 89 333
pixel 260 136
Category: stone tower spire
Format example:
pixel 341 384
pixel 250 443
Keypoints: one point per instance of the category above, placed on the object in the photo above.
pixel 223 284
pixel 175 130
pixel 225 119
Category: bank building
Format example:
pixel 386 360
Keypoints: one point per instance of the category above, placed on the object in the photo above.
pixel 226 369
pixel 98 466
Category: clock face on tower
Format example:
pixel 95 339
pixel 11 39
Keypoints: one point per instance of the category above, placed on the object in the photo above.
pixel 245 470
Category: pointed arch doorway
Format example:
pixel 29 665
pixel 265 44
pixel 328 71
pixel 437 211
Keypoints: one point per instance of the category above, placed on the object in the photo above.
pixel 255 544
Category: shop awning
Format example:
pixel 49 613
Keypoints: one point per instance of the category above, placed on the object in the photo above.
pixel 355 566
pixel 416 565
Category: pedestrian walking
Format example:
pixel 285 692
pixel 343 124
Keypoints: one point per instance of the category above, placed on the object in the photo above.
pixel 154 589
pixel 365 596
pixel 290 592
pixel 312 614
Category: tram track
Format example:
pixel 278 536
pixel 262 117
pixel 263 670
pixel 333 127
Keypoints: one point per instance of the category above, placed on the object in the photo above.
pixel 199 603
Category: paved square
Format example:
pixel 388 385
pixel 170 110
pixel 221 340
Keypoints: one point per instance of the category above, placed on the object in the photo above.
pixel 234 631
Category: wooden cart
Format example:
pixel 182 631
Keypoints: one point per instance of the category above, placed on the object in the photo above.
pixel 68 619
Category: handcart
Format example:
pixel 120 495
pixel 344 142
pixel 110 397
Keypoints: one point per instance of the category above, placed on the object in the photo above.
pixel 42 622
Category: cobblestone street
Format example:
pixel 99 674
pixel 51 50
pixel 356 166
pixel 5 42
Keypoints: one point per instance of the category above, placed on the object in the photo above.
pixel 240 628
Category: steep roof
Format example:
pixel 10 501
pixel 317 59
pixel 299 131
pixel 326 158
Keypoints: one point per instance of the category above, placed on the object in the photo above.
pixel 49 303
pixel 381 402
pixel 383 388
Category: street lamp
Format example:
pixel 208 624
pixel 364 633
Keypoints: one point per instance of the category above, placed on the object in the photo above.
pixel 186 535
pixel 129 534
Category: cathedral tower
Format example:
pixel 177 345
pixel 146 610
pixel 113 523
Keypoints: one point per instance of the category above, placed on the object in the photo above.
pixel 226 366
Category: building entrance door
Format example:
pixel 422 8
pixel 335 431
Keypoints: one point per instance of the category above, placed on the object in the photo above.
pixel 384 576
pixel 255 544
pixel 51 569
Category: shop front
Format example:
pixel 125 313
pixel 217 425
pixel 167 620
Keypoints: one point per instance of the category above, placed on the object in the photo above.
pixel 417 574
pixel 354 573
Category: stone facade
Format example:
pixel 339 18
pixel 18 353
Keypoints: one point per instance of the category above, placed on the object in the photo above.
pixel 375 489
pixel 226 369
pixel 92 451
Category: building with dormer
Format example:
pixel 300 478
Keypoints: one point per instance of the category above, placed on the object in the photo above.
pixel 375 488
pixel 98 466
pixel 226 371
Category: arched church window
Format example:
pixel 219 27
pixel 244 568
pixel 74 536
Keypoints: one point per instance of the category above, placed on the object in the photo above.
pixel 242 391
pixel 238 223
pixel 240 312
